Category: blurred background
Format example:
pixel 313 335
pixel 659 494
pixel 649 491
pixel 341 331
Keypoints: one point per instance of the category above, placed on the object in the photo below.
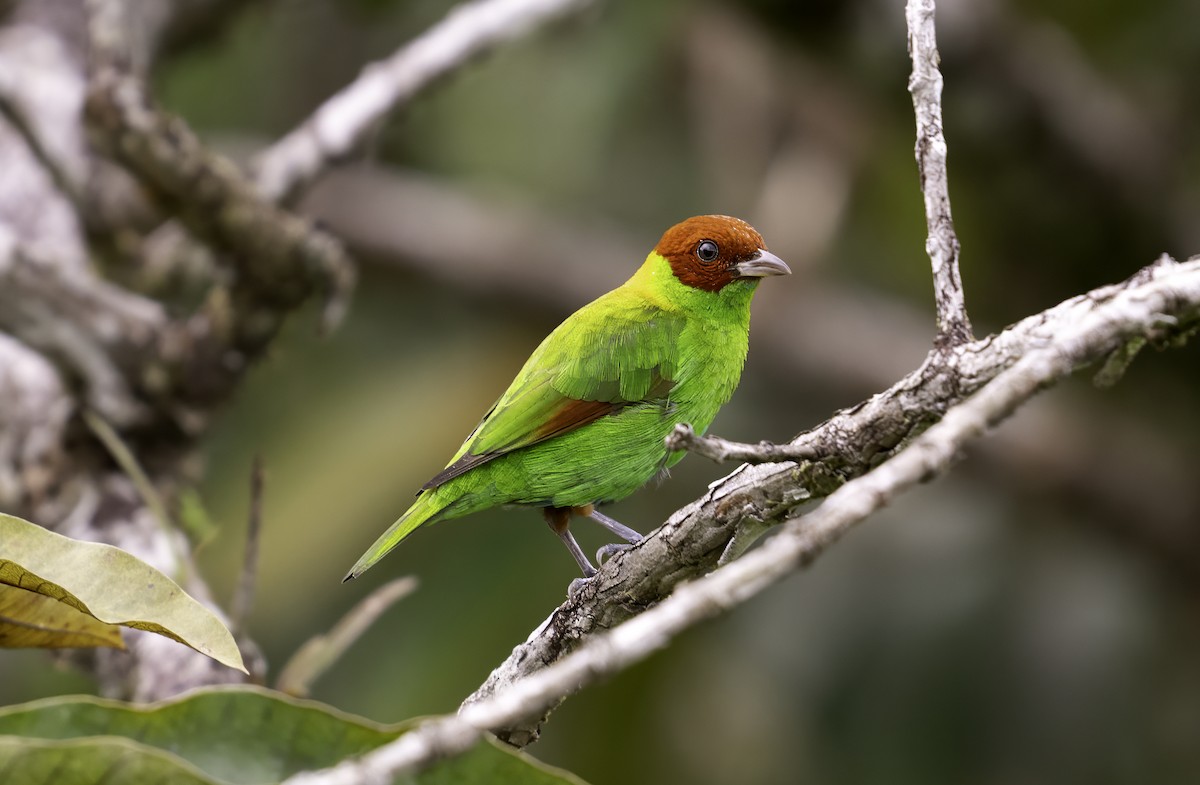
pixel 1032 618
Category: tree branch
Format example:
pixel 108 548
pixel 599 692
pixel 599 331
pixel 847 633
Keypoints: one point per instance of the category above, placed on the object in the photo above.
pixel 80 321
pixel 721 450
pixel 280 258
pixel 851 443
pixel 342 124
pixel 1161 301
pixel 877 426
pixel 925 84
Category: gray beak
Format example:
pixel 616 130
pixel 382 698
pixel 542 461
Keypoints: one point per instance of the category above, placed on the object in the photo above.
pixel 761 265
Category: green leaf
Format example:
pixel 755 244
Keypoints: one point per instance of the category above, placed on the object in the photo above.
pixel 491 762
pixel 222 736
pixel 110 585
pixel 98 761
pixel 29 619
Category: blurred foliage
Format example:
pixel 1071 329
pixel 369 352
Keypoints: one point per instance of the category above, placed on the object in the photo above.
pixel 1004 625
pixel 221 736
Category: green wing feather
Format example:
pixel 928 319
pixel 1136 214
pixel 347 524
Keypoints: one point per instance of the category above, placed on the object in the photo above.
pixel 610 354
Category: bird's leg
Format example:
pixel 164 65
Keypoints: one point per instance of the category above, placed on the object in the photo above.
pixel 616 527
pixel 558 519
pixel 606 552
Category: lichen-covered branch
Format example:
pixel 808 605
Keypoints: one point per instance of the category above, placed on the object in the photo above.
pixel 280 258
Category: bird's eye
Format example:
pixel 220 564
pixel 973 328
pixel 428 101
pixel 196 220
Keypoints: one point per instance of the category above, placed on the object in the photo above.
pixel 707 251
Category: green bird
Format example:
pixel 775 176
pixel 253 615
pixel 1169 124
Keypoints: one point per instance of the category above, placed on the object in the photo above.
pixel 585 421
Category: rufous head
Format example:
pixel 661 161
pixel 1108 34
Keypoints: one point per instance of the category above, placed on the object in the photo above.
pixel 711 251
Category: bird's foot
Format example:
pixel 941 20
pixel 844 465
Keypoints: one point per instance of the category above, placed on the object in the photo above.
pixel 606 552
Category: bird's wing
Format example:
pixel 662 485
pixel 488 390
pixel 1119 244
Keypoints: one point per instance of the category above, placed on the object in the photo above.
pixel 603 358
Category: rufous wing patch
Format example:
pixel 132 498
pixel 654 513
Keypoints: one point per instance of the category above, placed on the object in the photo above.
pixel 570 415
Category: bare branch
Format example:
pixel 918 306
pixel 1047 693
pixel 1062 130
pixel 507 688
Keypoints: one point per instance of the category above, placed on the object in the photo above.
pixel 876 427
pixel 78 320
pixel 925 84
pixel 340 126
pixel 1162 298
pixel 1172 299
pixel 719 450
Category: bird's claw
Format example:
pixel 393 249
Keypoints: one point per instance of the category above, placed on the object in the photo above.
pixel 606 552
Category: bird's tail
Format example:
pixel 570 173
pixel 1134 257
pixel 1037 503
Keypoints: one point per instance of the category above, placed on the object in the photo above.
pixel 424 510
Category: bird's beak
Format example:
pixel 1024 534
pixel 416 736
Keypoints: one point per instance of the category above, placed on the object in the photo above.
pixel 761 265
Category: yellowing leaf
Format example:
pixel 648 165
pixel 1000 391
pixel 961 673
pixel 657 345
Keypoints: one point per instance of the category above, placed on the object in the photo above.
pixel 29 619
pixel 111 585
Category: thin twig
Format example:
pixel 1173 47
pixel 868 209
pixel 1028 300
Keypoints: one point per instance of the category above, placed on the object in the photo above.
pixel 318 654
pixel 128 462
pixel 925 84
pixel 342 124
pixel 243 597
pixel 720 450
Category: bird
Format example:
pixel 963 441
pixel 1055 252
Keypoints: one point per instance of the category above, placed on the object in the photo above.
pixel 585 421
